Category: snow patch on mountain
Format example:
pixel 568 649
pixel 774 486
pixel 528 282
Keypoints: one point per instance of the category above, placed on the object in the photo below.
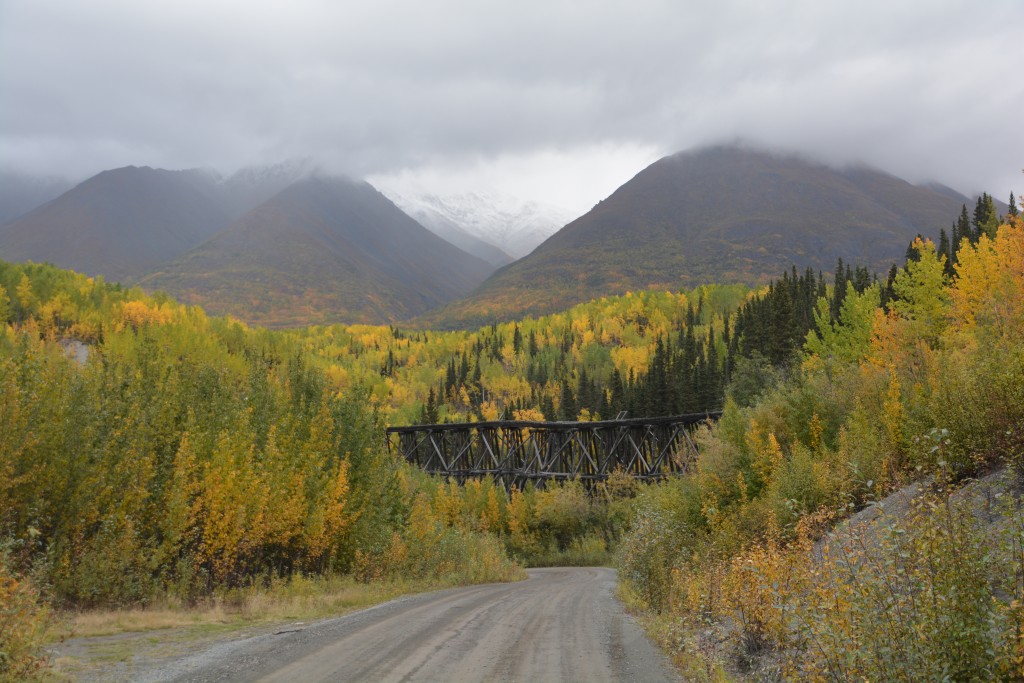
pixel 513 224
pixel 251 186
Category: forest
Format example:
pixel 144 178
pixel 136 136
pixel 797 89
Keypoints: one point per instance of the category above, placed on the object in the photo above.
pixel 147 450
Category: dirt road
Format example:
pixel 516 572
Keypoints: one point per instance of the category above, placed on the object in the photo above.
pixel 559 625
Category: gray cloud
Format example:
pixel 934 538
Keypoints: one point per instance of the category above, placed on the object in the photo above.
pixel 929 89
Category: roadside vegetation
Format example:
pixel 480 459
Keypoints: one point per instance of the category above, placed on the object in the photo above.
pixel 185 460
pixel 739 566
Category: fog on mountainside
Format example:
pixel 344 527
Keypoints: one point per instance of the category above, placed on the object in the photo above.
pixel 119 223
pixel 20 193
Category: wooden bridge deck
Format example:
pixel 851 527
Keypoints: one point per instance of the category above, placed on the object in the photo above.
pixel 515 452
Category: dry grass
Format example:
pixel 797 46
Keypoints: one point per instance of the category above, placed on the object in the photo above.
pixel 297 599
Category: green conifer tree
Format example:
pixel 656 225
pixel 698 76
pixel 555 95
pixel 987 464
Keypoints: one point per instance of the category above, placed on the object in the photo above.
pixel 429 414
pixel 567 402
pixel 944 250
pixel 963 227
pixel 985 219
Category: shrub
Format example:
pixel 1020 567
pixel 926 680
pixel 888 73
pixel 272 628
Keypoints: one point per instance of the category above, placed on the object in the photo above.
pixel 22 622
pixel 915 600
pixel 664 522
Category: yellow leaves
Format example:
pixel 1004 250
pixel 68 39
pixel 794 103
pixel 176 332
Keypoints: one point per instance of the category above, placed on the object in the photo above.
pixel 232 507
pixel 55 313
pixel 489 410
pixel 337 376
pixel 611 332
pixel 448 503
pixel 178 505
pixel 331 514
pixel 766 451
pixel 519 513
pixel 759 587
pixel 893 419
pixel 816 429
pixel 528 415
pixel 491 518
pixel 243 502
pixel 136 314
pixel 24 294
pixel 988 291
pixel 508 355
pixel 633 359
pixel 891 340
pixel 581 325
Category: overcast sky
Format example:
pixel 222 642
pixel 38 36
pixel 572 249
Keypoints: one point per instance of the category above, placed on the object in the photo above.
pixel 556 101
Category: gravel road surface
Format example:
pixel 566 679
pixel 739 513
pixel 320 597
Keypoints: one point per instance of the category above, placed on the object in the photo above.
pixel 559 625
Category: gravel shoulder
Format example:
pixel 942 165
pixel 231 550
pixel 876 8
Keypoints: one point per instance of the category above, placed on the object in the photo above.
pixel 562 624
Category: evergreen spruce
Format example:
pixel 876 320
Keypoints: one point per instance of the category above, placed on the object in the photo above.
pixel 429 413
pixel 985 219
pixel 888 291
pixel 963 227
pixel 838 291
pixel 567 403
pixel 944 250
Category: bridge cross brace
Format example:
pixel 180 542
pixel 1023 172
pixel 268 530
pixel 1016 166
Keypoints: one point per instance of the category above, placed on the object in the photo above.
pixel 515 452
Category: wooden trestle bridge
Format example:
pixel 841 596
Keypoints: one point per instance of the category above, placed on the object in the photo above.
pixel 515 452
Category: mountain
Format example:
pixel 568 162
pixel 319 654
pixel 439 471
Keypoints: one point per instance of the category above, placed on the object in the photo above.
pixel 119 223
pixel 322 250
pixel 513 225
pixel 20 193
pixel 722 214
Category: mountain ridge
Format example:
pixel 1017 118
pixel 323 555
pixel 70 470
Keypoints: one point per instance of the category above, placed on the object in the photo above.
pixel 322 250
pixel 720 214
pixel 119 223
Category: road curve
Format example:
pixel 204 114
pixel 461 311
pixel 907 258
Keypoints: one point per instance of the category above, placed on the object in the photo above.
pixel 562 624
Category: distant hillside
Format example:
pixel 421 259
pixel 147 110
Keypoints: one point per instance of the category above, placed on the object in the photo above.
pixel 20 193
pixel 120 223
pixel 715 215
pixel 321 251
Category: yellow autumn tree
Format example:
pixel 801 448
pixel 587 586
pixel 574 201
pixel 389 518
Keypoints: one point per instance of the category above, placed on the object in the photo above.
pixel 136 314
pixel 988 291
pixel 231 506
